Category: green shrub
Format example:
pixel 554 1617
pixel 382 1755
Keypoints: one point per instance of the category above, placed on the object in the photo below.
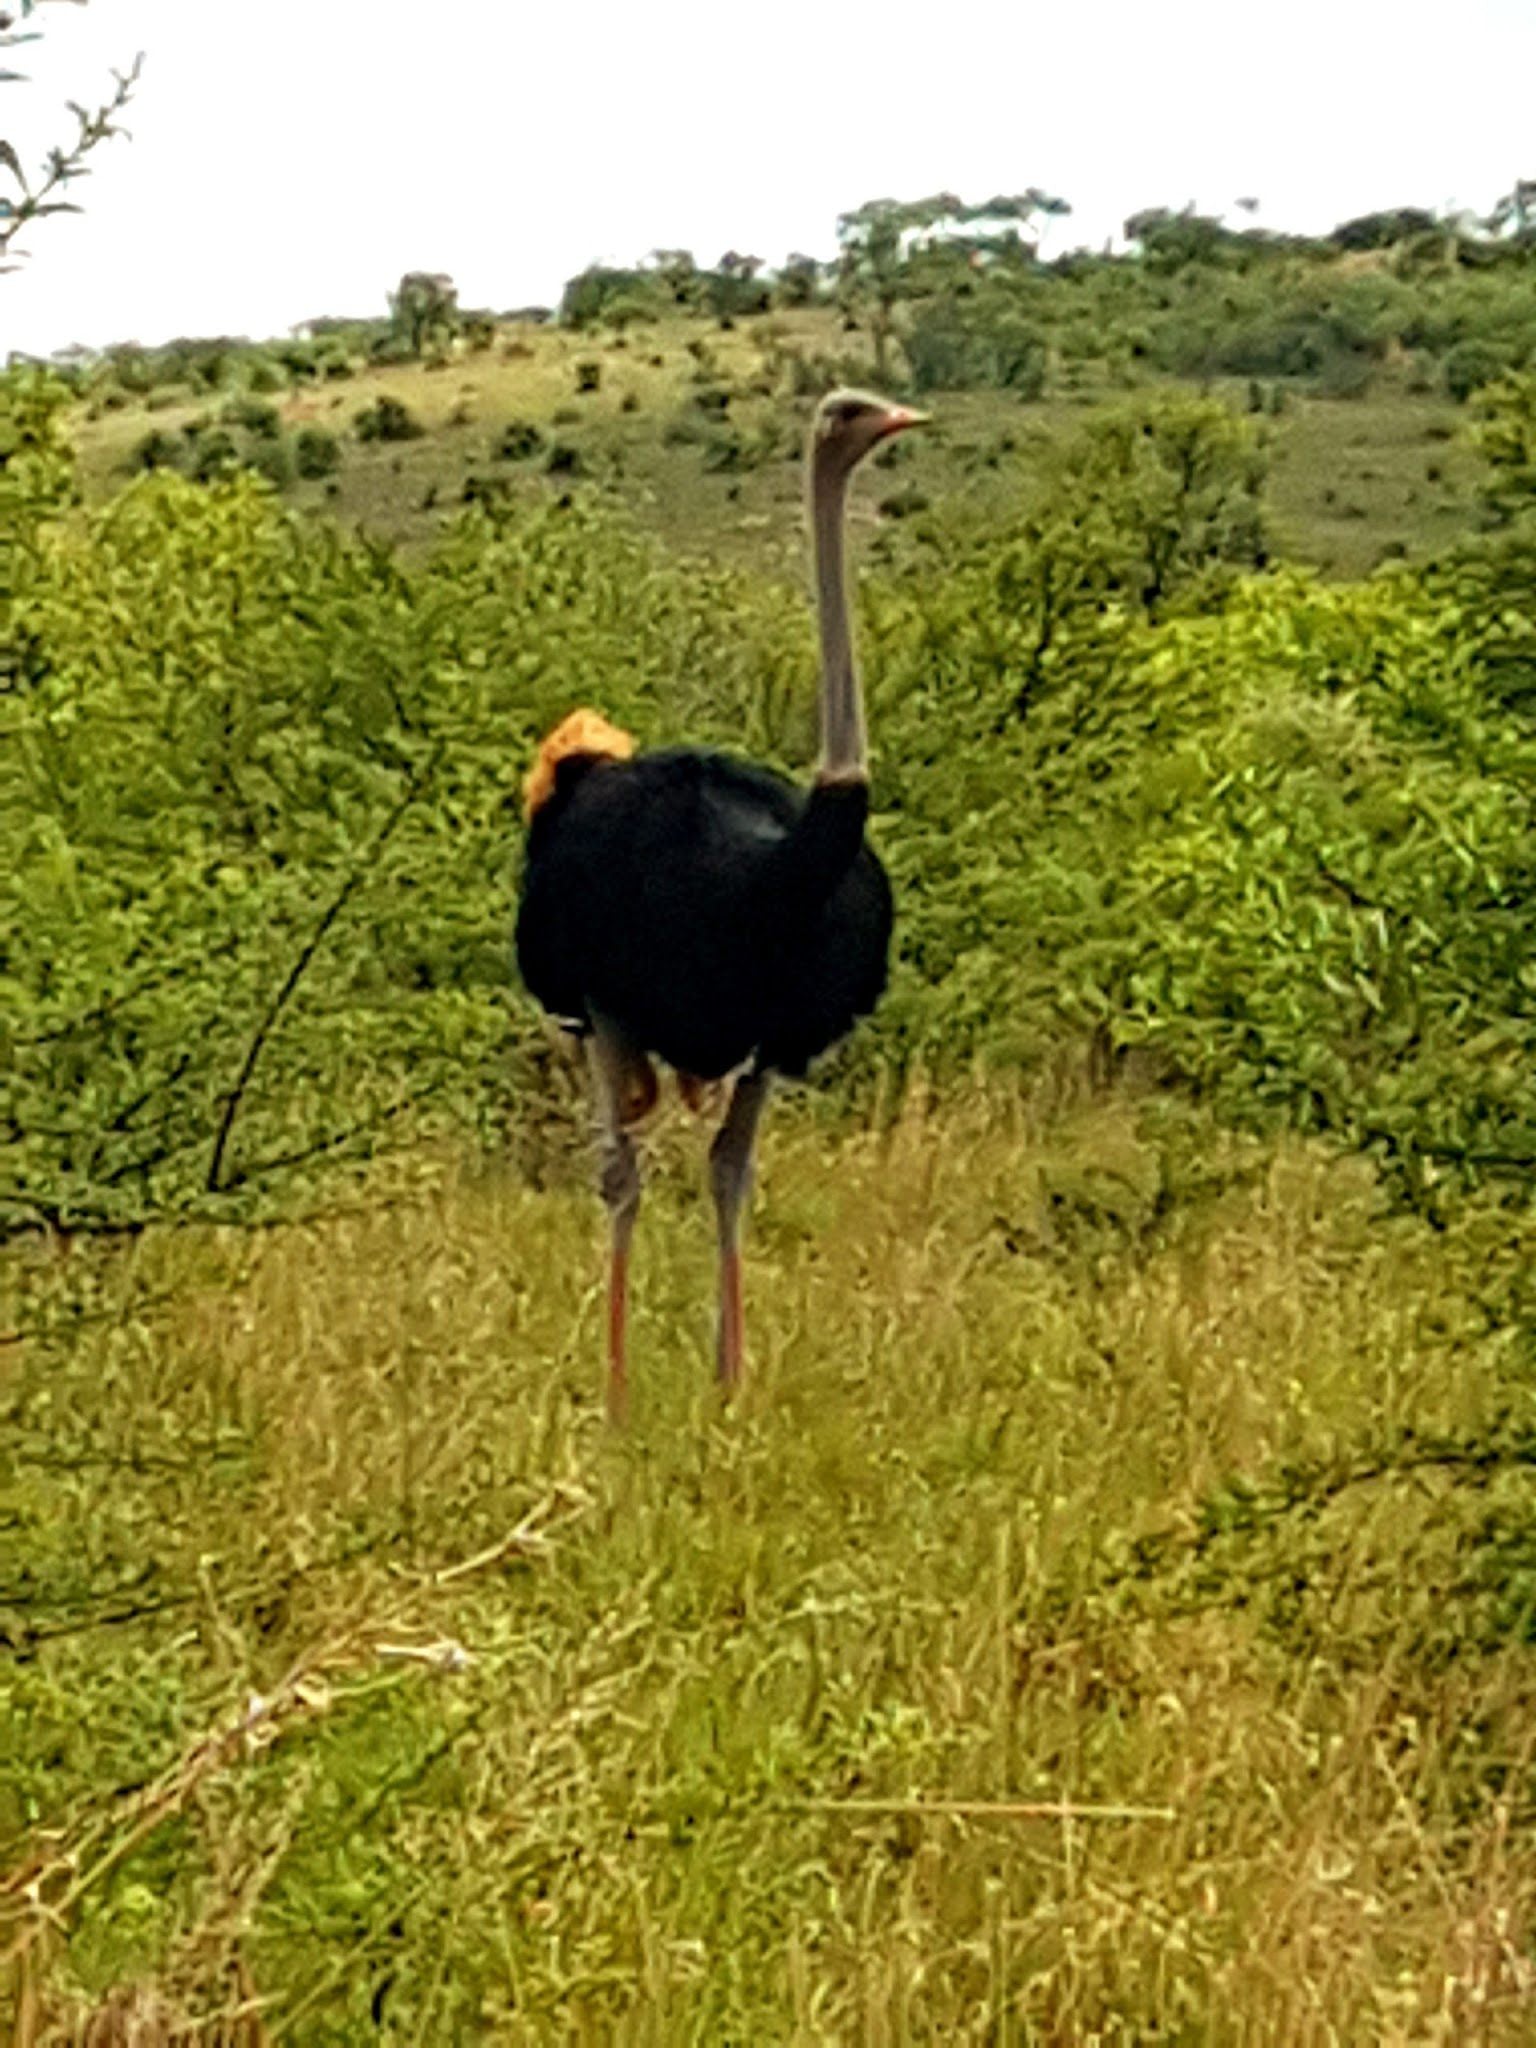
pixel 1471 365
pixel 273 460
pixel 316 452
pixel 1505 436
pixel 600 293
pixel 255 415
pixel 519 441
pixel 214 452
pixel 493 492
pixel 157 450
pixel 387 419
pixel 953 343
pixel 333 363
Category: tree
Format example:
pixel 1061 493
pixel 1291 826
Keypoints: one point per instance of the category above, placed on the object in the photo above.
pixel 799 280
pixel 424 307
pixel 733 287
pixel 1383 230
pixel 678 273
pixel 39 194
pixel 1515 213
pixel 869 271
pixel 875 272
pixel 1168 239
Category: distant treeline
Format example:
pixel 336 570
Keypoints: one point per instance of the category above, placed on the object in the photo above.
pixel 951 296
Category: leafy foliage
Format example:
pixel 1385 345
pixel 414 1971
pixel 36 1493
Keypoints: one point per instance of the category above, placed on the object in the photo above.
pixel 1506 439
pixel 242 744
pixel 954 343
pixel 1275 835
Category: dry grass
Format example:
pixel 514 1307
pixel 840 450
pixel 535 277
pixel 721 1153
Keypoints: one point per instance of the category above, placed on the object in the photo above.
pixel 1071 1472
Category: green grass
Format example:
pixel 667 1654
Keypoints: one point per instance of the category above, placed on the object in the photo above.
pixel 1088 1456
pixel 1352 479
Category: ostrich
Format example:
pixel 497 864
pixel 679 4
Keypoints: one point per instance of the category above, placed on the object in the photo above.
pixel 686 906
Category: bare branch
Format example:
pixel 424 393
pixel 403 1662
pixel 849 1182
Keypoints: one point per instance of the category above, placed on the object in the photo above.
pixel 63 165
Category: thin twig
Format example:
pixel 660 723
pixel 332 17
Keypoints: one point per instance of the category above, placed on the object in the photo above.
pixel 984 1809
pixel 64 164
pixel 362 872
pixel 529 1538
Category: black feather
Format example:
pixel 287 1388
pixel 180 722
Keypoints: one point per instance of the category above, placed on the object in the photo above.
pixel 711 909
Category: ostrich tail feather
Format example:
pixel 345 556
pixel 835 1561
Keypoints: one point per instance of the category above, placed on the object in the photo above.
pixel 580 732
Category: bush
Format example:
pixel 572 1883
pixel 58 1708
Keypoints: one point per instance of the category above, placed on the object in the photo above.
pixel 600 293
pixel 387 419
pixel 1506 438
pixel 157 450
pixel 214 452
pixel 255 415
pixel 1471 365
pixel 316 452
pixel 333 363
pixel 589 376
pixel 490 491
pixel 1345 376
pixel 954 343
pixel 273 460
pixel 519 441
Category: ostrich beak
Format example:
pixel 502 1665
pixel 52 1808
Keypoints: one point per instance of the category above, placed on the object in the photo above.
pixel 899 418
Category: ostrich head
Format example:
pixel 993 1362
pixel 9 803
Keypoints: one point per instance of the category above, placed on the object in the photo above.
pixel 849 423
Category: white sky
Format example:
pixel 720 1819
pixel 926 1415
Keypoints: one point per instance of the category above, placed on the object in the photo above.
pixel 291 161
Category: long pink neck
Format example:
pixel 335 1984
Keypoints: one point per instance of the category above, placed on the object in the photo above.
pixel 844 756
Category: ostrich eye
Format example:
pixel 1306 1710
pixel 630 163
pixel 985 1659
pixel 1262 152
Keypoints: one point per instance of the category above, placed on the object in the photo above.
pixel 848 412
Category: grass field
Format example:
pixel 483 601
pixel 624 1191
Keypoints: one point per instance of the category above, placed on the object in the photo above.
pixel 1351 479
pixel 1084 1628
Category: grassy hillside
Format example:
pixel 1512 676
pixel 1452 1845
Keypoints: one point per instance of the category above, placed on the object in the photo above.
pixel 1095 1621
pixel 1352 479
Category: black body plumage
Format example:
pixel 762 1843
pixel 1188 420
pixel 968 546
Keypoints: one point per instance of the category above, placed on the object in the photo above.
pixel 711 910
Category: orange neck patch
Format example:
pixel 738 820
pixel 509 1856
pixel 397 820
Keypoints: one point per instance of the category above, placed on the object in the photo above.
pixel 582 732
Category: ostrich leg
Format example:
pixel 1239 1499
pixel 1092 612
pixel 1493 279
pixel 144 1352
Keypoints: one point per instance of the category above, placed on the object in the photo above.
pixel 624 1087
pixel 730 1179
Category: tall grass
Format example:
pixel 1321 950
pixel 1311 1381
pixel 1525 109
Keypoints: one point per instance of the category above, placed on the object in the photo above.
pixel 358 1681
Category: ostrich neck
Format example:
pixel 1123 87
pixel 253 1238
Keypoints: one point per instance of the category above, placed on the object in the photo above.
pixel 843 754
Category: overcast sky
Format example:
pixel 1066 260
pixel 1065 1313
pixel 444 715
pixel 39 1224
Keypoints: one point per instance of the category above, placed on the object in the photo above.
pixel 291 161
